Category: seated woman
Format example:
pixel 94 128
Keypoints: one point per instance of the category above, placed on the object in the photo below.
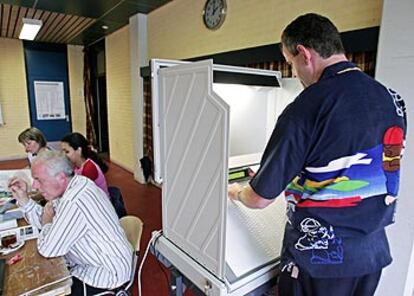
pixel 33 141
pixel 86 162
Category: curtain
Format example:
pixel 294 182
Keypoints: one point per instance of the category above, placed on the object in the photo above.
pixel 364 60
pixel 148 142
pixel 89 101
pixel 281 66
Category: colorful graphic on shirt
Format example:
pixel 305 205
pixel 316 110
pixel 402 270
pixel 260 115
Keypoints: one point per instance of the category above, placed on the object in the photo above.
pixel 393 146
pixel 325 246
pixel 346 181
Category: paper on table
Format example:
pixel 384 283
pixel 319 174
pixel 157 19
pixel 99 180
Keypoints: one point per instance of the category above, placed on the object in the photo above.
pixel 254 237
pixel 8 224
pixel 12 214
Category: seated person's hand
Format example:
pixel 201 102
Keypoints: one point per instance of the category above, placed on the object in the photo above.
pixel 19 189
pixel 48 213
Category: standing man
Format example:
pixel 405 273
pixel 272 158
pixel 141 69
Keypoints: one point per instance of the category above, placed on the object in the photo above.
pixel 336 151
pixel 78 222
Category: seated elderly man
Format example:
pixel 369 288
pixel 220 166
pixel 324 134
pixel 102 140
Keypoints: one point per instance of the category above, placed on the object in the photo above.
pixel 78 222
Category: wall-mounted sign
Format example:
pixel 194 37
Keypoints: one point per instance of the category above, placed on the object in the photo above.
pixel 49 96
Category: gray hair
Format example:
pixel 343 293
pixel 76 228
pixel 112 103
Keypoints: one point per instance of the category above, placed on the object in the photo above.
pixel 55 162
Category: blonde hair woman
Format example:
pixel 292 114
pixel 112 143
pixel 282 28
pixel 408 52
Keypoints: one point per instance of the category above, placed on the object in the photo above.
pixel 34 141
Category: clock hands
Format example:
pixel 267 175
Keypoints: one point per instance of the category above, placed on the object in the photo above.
pixel 214 12
pixel 216 6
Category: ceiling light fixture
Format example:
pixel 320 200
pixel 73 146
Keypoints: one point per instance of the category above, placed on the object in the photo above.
pixel 30 28
pixel 105 27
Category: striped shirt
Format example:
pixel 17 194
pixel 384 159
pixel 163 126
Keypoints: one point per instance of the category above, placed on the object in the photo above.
pixel 86 231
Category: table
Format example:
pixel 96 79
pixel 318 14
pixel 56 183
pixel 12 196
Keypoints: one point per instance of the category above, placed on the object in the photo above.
pixel 34 273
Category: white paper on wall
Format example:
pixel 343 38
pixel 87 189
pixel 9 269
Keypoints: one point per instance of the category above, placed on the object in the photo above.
pixel 50 104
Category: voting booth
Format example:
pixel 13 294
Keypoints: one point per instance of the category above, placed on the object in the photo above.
pixel 207 134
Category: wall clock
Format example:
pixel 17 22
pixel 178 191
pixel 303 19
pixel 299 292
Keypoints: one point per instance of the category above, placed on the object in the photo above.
pixel 214 13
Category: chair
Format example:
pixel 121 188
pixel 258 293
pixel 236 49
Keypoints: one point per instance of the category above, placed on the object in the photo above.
pixel 117 201
pixel 133 227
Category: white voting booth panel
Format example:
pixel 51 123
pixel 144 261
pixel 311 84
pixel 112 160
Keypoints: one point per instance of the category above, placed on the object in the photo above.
pixel 207 237
pixel 194 157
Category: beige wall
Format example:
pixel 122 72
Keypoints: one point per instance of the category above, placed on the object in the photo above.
pixel 13 98
pixel 176 30
pixel 77 99
pixel 13 95
pixel 118 81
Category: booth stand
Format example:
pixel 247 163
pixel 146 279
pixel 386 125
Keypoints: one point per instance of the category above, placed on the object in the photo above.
pixel 220 246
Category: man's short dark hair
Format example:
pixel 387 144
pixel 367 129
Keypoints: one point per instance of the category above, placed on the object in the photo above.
pixel 313 31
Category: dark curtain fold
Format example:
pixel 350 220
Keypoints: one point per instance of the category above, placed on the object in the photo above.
pixel 148 142
pixel 364 60
pixel 281 66
pixel 89 100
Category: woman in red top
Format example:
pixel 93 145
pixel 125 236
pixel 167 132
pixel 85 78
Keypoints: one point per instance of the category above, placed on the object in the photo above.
pixel 86 161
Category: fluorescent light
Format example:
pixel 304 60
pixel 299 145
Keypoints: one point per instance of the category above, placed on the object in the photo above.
pixel 30 28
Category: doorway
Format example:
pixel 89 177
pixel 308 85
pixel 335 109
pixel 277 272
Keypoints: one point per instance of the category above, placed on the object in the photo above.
pixel 98 83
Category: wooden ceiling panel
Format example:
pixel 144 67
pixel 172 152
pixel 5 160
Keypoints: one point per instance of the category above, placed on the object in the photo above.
pixel 69 30
pixel 33 13
pixel 51 28
pixel 47 24
pixel 64 29
pixel 85 23
pixel 5 13
pixel 12 21
pixel 18 23
pixel 73 21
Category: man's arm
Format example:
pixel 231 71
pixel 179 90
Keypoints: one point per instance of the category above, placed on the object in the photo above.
pixel 57 237
pixel 247 196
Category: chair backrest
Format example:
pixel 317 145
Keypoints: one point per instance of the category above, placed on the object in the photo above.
pixel 117 201
pixel 133 227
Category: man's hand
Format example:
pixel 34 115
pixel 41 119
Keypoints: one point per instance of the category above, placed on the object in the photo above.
pixel 233 191
pixel 19 188
pixel 247 196
pixel 48 213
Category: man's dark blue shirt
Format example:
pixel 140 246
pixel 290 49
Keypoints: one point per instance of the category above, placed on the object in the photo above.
pixel 336 151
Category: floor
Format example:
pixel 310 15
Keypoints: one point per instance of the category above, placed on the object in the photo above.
pixel 143 201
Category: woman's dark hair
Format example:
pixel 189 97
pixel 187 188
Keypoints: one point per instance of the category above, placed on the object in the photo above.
pixel 313 31
pixel 76 140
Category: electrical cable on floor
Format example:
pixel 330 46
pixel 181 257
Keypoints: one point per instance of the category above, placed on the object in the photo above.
pixel 162 268
pixel 155 235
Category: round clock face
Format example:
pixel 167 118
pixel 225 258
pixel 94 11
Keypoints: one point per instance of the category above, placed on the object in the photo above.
pixel 214 13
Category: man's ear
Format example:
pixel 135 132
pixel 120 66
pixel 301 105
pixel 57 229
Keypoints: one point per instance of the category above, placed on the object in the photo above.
pixel 305 53
pixel 61 177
